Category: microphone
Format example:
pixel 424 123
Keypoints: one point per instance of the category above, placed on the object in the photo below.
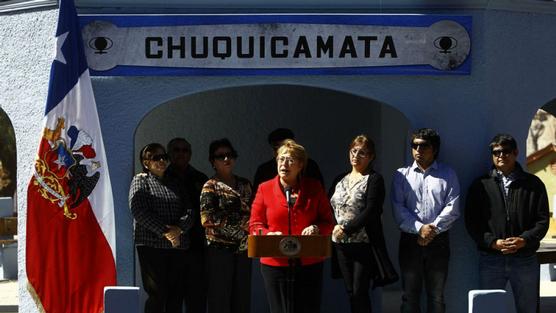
pixel 288 191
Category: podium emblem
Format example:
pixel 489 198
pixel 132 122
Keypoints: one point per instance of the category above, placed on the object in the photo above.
pixel 289 246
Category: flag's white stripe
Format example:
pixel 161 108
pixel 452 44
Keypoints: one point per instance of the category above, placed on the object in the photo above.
pixel 79 109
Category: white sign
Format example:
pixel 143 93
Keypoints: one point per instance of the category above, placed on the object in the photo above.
pixel 444 45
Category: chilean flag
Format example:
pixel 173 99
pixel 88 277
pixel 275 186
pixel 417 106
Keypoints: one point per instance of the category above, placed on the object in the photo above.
pixel 70 240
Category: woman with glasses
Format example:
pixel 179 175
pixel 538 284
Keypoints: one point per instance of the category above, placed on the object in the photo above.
pixel 310 215
pixel 161 221
pixel 225 207
pixel 360 250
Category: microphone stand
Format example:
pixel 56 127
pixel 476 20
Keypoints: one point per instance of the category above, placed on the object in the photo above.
pixel 290 278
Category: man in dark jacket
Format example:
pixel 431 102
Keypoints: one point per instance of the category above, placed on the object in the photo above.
pixel 191 182
pixel 507 216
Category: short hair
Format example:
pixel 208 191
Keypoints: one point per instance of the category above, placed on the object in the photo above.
pixel 431 136
pixel 503 140
pixel 296 150
pixel 146 153
pixel 173 141
pixel 280 134
pixel 363 140
pixel 220 143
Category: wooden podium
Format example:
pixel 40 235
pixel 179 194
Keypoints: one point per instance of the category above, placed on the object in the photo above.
pixel 284 246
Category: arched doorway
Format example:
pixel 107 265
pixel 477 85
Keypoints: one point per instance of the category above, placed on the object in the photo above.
pixel 323 120
pixel 7 157
pixel 8 206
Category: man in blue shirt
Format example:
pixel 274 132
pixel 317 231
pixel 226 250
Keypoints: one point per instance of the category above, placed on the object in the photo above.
pixel 425 199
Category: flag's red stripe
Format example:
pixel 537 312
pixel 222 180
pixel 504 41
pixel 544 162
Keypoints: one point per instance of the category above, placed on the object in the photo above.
pixel 68 261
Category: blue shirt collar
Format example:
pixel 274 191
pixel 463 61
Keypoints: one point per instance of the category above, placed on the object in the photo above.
pixel 416 168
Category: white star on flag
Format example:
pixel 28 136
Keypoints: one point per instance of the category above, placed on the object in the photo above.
pixel 59 43
pixel 61 161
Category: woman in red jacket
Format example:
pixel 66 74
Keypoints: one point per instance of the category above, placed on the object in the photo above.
pixel 311 215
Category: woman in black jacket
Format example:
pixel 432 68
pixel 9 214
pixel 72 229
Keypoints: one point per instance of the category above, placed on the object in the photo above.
pixel 357 198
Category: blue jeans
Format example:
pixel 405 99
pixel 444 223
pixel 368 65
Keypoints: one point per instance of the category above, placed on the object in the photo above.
pixel 426 266
pixel 521 271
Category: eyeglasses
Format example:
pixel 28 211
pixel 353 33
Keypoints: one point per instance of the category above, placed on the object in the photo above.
pixel 424 145
pixel 288 160
pixel 224 156
pixel 359 153
pixel 159 157
pixel 501 152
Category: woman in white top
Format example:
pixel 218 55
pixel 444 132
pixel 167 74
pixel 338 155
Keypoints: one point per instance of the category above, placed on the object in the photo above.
pixel 357 198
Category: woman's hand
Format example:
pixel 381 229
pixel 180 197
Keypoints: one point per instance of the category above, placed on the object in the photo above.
pixel 338 233
pixel 310 230
pixel 274 233
pixel 173 235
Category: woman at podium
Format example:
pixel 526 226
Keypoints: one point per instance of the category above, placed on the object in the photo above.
pixel 225 200
pixel 311 214
pixel 359 246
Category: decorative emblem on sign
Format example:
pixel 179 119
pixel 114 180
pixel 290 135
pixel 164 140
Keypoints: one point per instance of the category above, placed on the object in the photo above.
pixel 100 44
pixel 66 175
pixel 445 44
pixel 289 246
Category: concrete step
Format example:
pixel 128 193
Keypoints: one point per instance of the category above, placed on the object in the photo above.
pixel 9 308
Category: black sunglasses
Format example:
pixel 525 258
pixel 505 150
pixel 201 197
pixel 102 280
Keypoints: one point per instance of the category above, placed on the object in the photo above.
pixel 420 145
pixel 501 152
pixel 222 157
pixel 159 157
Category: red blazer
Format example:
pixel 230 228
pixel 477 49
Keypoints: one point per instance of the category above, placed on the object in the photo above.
pixel 269 212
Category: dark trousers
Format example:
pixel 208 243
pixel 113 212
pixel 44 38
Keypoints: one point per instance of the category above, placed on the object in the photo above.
pixel 195 281
pixel 229 281
pixel 356 266
pixel 162 272
pixel 428 265
pixel 307 288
